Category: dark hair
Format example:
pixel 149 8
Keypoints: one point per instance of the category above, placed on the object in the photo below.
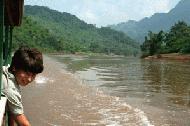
pixel 27 59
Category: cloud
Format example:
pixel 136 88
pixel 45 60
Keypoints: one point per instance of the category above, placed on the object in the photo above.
pixel 150 7
pixel 104 12
pixel 89 16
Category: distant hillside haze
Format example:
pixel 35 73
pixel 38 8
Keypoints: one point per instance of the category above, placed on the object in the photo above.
pixel 55 31
pixel 159 21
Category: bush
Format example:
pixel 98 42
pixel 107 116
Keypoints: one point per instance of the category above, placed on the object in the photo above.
pixel 185 48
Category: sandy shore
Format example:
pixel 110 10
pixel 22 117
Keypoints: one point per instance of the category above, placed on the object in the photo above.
pixel 57 98
pixel 172 56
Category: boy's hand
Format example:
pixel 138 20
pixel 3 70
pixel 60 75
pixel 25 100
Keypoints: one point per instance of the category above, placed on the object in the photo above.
pixel 22 120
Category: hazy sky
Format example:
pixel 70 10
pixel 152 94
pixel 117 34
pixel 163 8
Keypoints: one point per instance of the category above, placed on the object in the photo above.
pixel 104 12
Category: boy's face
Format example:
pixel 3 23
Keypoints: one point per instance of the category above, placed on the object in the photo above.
pixel 24 78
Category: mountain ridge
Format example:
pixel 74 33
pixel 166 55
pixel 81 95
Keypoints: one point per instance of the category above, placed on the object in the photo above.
pixel 155 23
pixel 64 32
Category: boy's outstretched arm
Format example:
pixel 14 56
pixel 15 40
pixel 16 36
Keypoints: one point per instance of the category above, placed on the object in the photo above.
pixel 21 120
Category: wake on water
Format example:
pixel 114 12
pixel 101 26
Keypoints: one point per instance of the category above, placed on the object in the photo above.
pixel 116 113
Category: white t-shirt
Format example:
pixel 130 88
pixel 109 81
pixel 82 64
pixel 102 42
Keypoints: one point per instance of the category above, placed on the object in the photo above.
pixel 11 90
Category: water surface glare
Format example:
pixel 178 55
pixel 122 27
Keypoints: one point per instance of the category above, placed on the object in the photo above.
pixel 160 88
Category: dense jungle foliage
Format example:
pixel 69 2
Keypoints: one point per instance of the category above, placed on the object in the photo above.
pixel 177 40
pixel 53 31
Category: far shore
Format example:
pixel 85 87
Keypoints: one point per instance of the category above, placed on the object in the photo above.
pixel 170 56
pixel 86 54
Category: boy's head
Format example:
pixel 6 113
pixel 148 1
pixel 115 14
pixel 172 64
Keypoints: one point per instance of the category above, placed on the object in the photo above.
pixel 26 63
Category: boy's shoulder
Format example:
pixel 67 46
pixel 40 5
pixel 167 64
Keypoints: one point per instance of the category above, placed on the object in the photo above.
pixel 11 90
pixel 8 80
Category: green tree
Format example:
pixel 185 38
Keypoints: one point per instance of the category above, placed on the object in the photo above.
pixel 152 43
pixel 177 37
pixel 176 41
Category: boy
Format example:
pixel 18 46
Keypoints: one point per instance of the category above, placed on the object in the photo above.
pixel 26 64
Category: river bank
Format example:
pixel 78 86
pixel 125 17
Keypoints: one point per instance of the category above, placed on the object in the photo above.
pixel 171 56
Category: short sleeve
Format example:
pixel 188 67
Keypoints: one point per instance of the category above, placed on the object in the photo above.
pixel 14 101
pixel 4 82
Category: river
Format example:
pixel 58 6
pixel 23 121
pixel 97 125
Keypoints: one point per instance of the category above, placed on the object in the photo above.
pixel 133 92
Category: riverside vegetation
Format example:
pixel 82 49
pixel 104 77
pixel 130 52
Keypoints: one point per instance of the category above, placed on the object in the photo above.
pixel 177 40
pixel 56 32
pixel 53 31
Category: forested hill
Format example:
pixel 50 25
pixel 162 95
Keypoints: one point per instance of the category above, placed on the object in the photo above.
pixel 54 31
pixel 159 21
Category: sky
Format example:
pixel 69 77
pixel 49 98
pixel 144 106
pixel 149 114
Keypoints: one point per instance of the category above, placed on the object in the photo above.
pixel 108 12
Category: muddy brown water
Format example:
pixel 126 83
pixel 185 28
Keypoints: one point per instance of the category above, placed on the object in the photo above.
pixel 109 91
